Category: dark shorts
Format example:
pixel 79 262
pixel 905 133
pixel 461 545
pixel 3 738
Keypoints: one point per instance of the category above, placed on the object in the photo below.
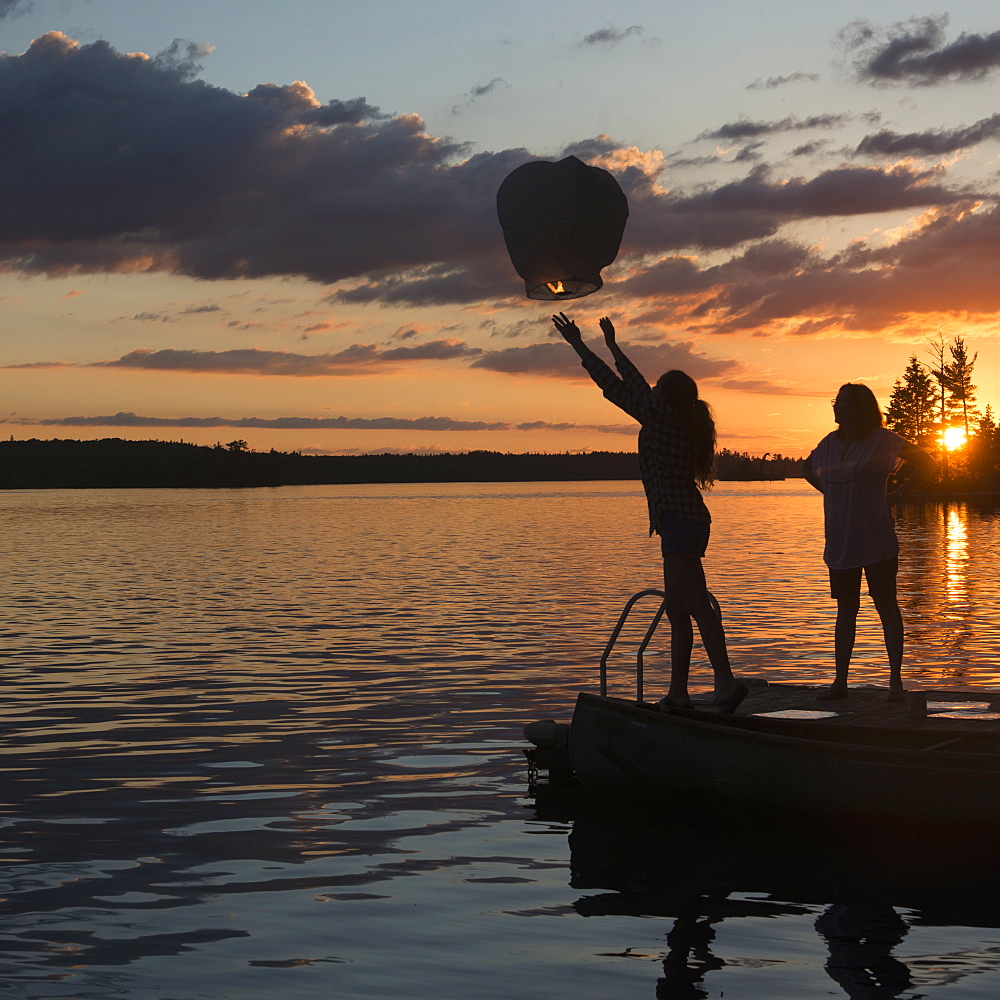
pixel 881 577
pixel 678 535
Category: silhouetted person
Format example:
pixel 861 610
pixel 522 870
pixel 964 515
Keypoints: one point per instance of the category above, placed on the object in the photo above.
pixel 851 467
pixel 676 457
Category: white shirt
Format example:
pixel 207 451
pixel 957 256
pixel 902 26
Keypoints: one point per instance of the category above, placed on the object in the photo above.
pixel 860 528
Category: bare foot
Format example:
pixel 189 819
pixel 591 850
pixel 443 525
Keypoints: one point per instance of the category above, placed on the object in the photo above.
pixel 833 693
pixel 896 694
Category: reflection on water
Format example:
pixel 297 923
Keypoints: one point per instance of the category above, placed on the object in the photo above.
pixel 956 534
pixel 263 743
pixel 948 590
pixel 877 916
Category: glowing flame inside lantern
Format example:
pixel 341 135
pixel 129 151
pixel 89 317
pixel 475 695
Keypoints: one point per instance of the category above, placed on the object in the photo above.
pixel 556 288
pixel 953 438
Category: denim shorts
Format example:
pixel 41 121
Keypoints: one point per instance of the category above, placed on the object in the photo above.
pixel 881 577
pixel 680 535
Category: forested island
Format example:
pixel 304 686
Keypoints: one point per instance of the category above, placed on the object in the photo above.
pixel 117 463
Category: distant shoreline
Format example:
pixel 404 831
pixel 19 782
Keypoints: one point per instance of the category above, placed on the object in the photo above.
pixel 115 463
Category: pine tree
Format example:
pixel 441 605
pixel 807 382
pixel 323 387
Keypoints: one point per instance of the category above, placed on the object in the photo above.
pixel 959 374
pixel 910 412
pixel 897 413
pixel 982 448
pixel 939 369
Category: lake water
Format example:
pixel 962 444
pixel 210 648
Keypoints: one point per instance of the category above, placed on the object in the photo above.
pixel 267 744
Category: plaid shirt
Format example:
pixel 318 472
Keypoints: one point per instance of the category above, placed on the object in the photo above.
pixel 666 458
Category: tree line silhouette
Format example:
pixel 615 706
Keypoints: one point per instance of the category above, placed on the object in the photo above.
pixel 933 403
pixel 118 463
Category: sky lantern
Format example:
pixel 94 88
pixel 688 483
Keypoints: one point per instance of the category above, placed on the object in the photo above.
pixel 562 223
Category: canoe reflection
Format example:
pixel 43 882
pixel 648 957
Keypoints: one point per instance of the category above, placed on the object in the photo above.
pixel 867 887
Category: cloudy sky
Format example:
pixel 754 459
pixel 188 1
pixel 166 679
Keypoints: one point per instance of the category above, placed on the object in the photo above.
pixel 277 221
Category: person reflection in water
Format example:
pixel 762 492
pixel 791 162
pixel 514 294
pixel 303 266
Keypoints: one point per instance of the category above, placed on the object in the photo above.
pixel 851 467
pixel 861 938
pixel 688 959
pixel 676 457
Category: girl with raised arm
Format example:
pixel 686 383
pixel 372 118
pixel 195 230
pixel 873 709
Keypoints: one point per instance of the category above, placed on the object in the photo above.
pixel 676 461
pixel 851 467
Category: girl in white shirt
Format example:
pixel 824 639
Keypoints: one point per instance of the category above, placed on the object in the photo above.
pixel 850 467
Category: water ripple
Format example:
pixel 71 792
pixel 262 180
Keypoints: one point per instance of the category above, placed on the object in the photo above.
pixel 257 731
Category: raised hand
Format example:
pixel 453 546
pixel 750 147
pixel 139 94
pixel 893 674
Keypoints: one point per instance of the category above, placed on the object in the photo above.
pixel 609 331
pixel 569 329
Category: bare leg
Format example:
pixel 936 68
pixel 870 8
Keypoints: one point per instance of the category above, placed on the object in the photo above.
pixel 681 641
pixel 684 582
pixel 844 634
pixel 892 630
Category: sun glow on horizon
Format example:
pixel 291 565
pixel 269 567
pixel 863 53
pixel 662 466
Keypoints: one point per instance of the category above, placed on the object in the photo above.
pixel 953 438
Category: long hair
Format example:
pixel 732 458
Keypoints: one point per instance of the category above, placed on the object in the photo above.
pixel 679 391
pixel 867 415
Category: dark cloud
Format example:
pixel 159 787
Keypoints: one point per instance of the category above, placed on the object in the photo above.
pixel 151 317
pixel 676 160
pixel 126 419
pixel 481 90
pixel 610 35
pixel 118 162
pixel 762 386
pixel 935 142
pixel 200 309
pixel 810 148
pixel 754 208
pixel 498 82
pixel 743 128
pixel 780 81
pixel 38 364
pixel 183 58
pixel 545 425
pixel 295 104
pixel 520 328
pixel 681 277
pixel 129 419
pixel 750 153
pixel 553 360
pixel 436 284
pixel 591 149
pixel 951 265
pixel 915 52
pixel 843 191
pixel 354 360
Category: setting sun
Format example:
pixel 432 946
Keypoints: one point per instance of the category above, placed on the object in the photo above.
pixel 953 438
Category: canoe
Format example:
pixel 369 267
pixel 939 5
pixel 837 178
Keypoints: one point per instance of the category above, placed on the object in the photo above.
pixel 783 750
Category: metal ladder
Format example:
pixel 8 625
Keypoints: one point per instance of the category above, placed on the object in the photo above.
pixel 634 599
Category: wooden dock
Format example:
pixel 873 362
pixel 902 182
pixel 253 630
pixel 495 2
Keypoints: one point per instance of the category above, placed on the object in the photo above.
pixel 950 713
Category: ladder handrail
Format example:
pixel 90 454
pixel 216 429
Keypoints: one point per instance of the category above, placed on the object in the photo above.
pixel 645 642
pixel 635 598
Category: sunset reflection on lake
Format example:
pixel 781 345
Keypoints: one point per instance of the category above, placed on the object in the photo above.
pixel 261 729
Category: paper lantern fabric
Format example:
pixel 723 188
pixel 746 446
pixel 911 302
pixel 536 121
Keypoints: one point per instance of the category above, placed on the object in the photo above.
pixel 562 223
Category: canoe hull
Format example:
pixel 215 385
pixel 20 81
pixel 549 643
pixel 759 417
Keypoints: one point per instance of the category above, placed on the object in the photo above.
pixel 623 751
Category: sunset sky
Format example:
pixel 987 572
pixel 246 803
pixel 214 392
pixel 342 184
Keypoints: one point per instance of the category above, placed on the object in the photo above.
pixel 277 221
